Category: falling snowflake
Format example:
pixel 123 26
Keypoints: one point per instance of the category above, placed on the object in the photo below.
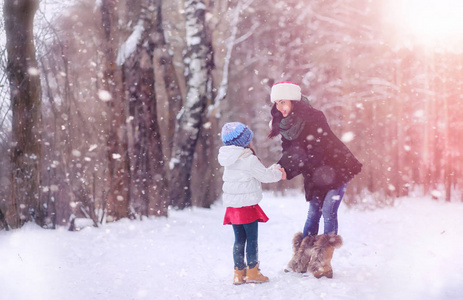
pixel 33 71
pixel 391 187
pixel 348 137
pixel 76 153
pixel 104 95
pixel 207 125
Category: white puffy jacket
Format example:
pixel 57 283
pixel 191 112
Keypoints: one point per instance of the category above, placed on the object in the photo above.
pixel 243 175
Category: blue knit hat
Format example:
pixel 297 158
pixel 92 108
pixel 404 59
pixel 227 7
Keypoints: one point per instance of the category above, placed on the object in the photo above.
pixel 236 133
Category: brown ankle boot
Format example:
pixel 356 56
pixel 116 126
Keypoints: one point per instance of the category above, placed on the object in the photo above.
pixel 238 278
pixel 255 276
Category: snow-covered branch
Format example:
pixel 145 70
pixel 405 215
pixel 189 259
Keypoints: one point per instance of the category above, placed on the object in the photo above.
pixel 130 45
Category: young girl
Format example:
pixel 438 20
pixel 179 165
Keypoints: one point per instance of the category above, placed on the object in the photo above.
pixel 310 148
pixel 242 192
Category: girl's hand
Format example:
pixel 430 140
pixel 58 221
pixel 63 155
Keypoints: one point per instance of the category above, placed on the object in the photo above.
pixel 275 166
pixel 283 177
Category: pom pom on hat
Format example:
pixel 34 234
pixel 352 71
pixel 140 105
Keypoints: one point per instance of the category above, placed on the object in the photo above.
pixel 236 133
pixel 285 90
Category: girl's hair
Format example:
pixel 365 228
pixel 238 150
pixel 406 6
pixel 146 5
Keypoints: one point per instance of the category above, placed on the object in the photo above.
pixel 277 116
pixel 253 151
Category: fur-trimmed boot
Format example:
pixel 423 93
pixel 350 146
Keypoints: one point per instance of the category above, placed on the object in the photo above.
pixel 239 276
pixel 254 275
pixel 302 253
pixel 297 240
pixel 322 253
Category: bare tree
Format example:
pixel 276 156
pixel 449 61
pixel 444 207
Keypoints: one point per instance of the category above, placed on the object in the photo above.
pixel 74 119
pixel 25 95
pixel 223 27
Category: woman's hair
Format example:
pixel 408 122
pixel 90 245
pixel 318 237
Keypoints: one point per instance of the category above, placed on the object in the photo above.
pixel 277 116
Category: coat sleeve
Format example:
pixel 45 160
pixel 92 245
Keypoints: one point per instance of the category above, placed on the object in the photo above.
pixel 291 159
pixel 263 174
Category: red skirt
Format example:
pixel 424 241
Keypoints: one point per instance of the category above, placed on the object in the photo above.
pixel 244 215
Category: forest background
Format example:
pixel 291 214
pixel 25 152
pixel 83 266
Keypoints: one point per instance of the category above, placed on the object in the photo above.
pixel 112 109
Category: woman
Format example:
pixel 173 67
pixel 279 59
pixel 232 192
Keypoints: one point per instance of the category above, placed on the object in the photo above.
pixel 311 149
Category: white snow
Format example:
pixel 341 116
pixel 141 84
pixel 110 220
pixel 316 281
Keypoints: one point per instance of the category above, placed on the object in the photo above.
pixel 410 251
pixel 76 153
pixel 130 45
pixel 33 71
pixel 104 95
pixel 348 137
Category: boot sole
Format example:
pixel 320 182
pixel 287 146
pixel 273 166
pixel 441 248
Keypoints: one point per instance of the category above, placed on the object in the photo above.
pixel 256 281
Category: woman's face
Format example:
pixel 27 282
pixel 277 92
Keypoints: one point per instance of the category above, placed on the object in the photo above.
pixel 285 107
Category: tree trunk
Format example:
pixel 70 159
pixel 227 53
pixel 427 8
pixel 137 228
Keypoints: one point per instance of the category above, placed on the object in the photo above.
pixel 398 140
pixel 149 178
pixel 118 199
pixel 169 76
pixel 25 94
pixel 206 179
pixel 3 223
pixel 198 67
pixel 447 152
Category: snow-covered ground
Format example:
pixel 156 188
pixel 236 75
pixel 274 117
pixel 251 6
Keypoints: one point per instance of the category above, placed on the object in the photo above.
pixel 411 251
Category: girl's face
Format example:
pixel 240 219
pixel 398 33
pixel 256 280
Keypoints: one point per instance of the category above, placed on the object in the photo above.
pixel 285 107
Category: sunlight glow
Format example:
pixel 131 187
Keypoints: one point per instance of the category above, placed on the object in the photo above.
pixel 433 22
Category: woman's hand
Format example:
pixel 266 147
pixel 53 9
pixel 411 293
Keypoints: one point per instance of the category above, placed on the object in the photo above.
pixel 283 177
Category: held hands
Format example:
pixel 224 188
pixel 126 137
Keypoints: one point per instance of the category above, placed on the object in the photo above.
pixel 277 166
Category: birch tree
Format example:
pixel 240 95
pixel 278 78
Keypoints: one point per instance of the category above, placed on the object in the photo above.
pixel 198 61
pixel 223 26
pixel 25 96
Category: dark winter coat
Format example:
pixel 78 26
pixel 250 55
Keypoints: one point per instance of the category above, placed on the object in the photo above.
pixel 319 155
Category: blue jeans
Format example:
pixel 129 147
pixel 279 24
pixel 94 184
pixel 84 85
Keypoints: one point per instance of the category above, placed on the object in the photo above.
pixel 245 234
pixel 327 207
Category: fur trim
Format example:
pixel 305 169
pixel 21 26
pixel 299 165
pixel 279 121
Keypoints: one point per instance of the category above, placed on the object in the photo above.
pixel 305 253
pixel 301 258
pixel 324 244
pixel 328 240
pixel 297 240
pixel 285 90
